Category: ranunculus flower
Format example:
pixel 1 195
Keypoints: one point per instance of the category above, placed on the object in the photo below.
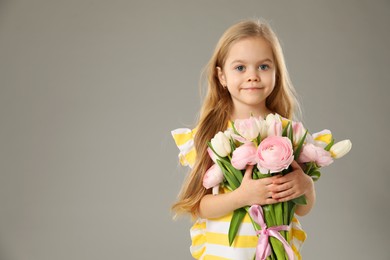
pixel 313 153
pixel 340 149
pixel 212 178
pixel 274 154
pixel 221 144
pixel 298 132
pixel 247 128
pixel 274 125
pixel 244 155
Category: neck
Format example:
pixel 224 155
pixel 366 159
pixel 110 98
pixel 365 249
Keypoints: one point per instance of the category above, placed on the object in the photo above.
pixel 246 112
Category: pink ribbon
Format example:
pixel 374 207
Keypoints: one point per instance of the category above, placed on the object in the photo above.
pixel 263 249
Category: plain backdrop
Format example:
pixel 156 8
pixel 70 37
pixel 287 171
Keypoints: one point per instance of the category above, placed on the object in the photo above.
pixel 90 90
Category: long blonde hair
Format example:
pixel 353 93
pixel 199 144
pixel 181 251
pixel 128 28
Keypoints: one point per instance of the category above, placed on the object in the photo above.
pixel 217 106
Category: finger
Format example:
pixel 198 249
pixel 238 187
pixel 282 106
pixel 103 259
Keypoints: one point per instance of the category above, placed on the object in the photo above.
pixel 295 165
pixel 287 198
pixel 284 195
pixel 248 172
pixel 270 201
pixel 281 187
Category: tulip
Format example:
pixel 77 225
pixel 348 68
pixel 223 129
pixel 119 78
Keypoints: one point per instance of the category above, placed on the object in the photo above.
pixel 312 153
pixel 212 178
pixel 247 128
pixel 274 125
pixel 322 138
pixel 221 144
pixel 298 132
pixel 244 155
pixel 340 149
pixel 263 128
pixel 212 155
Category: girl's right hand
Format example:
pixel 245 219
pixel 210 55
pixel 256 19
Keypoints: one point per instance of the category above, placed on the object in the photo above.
pixel 255 192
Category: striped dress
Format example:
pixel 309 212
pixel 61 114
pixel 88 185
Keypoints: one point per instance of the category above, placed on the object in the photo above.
pixel 210 236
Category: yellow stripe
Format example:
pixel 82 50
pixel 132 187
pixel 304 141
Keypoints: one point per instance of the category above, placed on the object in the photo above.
pixel 181 139
pixel 299 234
pixel 198 254
pixel 296 252
pixel 199 225
pixel 239 241
pixel 198 240
pixel 191 156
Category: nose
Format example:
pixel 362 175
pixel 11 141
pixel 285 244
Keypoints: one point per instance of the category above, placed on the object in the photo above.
pixel 253 75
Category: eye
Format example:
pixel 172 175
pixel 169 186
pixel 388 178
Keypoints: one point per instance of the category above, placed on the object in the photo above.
pixel 264 67
pixel 240 68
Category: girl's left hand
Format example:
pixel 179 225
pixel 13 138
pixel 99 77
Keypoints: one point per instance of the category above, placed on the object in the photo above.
pixel 291 185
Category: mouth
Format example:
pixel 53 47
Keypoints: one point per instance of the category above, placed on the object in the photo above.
pixel 252 88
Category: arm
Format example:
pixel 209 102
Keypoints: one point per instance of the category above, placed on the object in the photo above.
pixel 293 185
pixel 250 192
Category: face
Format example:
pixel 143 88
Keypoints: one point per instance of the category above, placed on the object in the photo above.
pixel 249 74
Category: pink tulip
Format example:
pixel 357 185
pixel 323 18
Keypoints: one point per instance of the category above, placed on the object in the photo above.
pixel 212 177
pixel 274 154
pixel 244 155
pixel 247 128
pixel 274 125
pixel 212 155
pixel 317 154
pixel 298 132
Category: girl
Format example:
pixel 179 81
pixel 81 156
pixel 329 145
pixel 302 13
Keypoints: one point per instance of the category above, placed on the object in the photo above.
pixel 246 74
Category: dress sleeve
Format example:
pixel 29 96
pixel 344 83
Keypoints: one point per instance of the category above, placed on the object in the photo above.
pixel 184 139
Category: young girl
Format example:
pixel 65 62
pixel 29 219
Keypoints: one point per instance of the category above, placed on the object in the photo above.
pixel 246 75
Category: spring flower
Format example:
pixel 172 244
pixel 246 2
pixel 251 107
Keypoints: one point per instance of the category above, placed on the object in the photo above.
pixel 212 155
pixel 221 144
pixel 212 178
pixel 322 138
pixel 244 155
pixel 274 125
pixel 340 149
pixel 298 132
pixel 312 153
pixel 247 128
pixel 274 154
pixel 263 128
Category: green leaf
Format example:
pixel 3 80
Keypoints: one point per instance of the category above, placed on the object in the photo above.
pixel 315 175
pixel 231 179
pixel 299 147
pixel 238 216
pixel 300 200
pixel 327 148
pixel 232 144
pixel 290 134
pixel 234 171
pixel 278 211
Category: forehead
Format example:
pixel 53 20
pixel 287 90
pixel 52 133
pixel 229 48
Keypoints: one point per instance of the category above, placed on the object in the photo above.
pixel 250 49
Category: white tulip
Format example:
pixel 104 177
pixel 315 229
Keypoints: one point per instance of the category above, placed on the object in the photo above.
pixel 341 148
pixel 221 144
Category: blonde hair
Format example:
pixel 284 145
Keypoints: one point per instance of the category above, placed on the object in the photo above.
pixel 217 106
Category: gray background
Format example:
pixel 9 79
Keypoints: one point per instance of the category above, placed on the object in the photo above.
pixel 90 90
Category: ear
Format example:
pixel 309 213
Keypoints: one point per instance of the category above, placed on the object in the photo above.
pixel 221 77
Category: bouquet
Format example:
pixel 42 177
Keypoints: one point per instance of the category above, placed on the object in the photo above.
pixel 271 144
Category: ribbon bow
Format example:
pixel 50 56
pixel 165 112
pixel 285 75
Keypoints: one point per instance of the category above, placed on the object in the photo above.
pixel 263 249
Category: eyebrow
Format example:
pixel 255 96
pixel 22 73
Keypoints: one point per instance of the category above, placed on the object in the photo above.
pixel 242 61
